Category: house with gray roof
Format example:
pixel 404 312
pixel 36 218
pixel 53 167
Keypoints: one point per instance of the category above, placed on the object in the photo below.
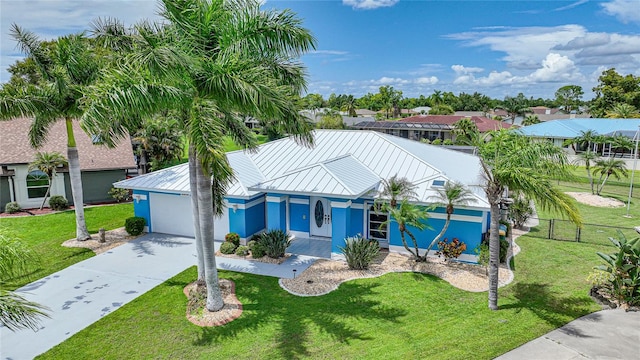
pixel 100 166
pixel 325 192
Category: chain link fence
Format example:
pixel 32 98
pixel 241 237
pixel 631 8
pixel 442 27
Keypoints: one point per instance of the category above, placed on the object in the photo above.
pixel 564 230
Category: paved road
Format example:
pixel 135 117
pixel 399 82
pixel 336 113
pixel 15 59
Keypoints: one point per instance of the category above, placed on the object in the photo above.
pixel 607 334
pixel 83 293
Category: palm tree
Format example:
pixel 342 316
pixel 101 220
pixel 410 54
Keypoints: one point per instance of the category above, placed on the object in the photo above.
pixel 609 167
pixel 66 69
pixel 513 161
pixel 621 143
pixel 465 131
pixel 16 312
pixel 350 105
pixel 210 60
pixel 160 141
pixel 408 215
pixel 584 140
pixel 394 189
pixel 587 157
pixel 515 106
pixel 530 120
pixel 451 195
pixel 623 111
pixel 48 163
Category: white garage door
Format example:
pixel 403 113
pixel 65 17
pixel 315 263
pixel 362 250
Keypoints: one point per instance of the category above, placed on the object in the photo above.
pixel 172 214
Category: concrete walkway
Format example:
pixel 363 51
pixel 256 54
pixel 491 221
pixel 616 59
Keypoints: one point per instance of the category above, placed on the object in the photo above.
pixel 83 293
pixel 607 334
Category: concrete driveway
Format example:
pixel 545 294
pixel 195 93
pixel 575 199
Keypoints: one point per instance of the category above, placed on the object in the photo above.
pixel 84 292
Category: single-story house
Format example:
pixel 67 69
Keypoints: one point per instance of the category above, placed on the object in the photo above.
pixel 322 192
pixel 100 166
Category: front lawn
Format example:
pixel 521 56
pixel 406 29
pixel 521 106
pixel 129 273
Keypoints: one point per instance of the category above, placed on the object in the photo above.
pixel 396 316
pixel 45 234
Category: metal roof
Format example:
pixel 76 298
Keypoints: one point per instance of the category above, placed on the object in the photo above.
pixel 342 163
pixel 571 128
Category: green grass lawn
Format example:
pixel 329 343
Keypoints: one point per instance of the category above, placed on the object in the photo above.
pixel 396 316
pixel 44 234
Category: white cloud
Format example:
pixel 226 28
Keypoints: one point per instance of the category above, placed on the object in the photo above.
pixel 571 6
pixel 431 80
pixel 625 10
pixel 369 4
pixel 460 69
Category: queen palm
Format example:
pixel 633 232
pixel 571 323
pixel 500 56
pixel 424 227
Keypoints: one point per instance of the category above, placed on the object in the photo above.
pixel 408 216
pixel 451 195
pixel 587 157
pixel 65 68
pixel 513 161
pixel 48 163
pixel 394 189
pixel 211 60
pixel 606 168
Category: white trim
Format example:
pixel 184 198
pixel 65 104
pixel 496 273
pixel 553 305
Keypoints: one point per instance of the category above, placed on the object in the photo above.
pixel 340 205
pixel 248 205
pixel 466 218
pixel 432 254
pixel 287 215
pixel 300 234
pixel 277 199
pixel 298 201
pixel 357 206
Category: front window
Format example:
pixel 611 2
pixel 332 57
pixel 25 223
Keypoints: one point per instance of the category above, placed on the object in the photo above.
pixel 377 228
pixel 37 184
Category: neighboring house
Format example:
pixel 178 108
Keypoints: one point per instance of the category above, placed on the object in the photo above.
pixel 365 113
pixel 559 131
pixel 430 127
pixel 100 166
pixel 322 192
pixel 424 110
pixel 543 110
pixel 351 121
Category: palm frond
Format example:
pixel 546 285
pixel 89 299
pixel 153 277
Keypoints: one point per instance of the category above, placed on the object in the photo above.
pixel 39 130
pixel 17 313
pixel 30 44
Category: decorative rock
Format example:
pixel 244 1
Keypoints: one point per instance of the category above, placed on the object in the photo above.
pixel 101 234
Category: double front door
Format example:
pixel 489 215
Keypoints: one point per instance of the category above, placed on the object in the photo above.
pixel 320 217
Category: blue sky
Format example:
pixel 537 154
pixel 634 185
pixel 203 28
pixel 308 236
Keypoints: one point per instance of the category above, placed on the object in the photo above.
pixel 497 48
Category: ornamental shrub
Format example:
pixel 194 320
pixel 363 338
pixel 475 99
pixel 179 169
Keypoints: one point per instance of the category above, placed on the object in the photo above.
pixel 233 238
pixel 135 225
pixel 359 252
pixel 436 142
pixel 12 207
pixel 447 142
pixel 275 242
pixel 242 250
pixel 451 250
pixel 257 250
pixel 120 195
pixel 504 247
pixel 58 202
pixel 228 247
pixel 624 268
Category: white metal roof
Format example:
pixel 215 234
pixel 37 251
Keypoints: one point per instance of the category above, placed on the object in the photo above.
pixel 342 163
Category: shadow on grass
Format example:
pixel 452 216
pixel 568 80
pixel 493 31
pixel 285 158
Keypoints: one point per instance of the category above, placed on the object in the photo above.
pixel 549 307
pixel 294 317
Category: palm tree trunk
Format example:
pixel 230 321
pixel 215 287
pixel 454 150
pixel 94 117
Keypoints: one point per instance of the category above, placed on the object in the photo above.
pixel 437 238
pixel 193 186
pixel 590 177
pixel 602 185
pixel 494 253
pixel 46 194
pixel 205 214
pixel 406 246
pixel 75 177
pixel 415 245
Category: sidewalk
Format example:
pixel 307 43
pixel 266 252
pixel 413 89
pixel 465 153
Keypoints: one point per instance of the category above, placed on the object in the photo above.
pixel 83 293
pixel 606 334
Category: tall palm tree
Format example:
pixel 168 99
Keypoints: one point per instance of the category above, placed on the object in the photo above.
pixel 515 106
pixel 350 105
pixel 609 167
pixel 160 141
pixel 513 161
pixel 394 189
pixel 65 70
pixel 587 157
pixel 451 195
pixel 408 215
pixel 623 111
pixel 530 120
pixel 211 60
pixel 48 163
pixel 465 131
pixel 16 312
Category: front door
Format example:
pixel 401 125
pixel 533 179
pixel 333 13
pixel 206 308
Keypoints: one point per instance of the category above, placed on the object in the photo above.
pixel 320 217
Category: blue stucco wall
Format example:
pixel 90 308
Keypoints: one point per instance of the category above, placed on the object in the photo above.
pixel 276 214
pixel 248 221
pixel 255 218
pixel 299 214
pixel 141 208
pixel 237 223
pixel 357 221
pixel 468 232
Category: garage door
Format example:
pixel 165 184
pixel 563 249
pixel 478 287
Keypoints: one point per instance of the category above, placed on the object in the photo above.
pixel 172 214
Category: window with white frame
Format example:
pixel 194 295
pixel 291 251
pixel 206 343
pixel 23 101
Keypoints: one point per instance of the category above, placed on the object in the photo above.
pixel 377 228
pixel 37 184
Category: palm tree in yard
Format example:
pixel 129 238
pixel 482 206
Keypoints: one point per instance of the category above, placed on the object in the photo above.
pixel 210 60
pixel 48 163
pixel 587 157
pixel 394 189
pixel 530 120
pixel 66 69
pixel 16 312
pixel 451 195
pixel 606 168
pixel 465 131
pixel 513 161
pixel 407 216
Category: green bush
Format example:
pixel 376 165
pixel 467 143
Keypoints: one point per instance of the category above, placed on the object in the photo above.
pixel 242 250
pixel 12 208
pixel 274 242
pixel 227 247
pixel 436 142
pixel 135 225
pixel 359 252
pixel 233 238
pixel 504 247
pixel 58 202
pixel 624 268
pixel 120 195
pixel 452 249
pixel 447 142
pixel 520 211
pixel 257 250
pixel 251 244
pixel 483 254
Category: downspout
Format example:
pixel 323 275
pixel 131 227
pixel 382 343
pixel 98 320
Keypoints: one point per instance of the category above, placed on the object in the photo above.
pixel 12 188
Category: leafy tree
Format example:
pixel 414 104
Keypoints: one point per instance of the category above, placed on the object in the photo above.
pixel 606 168
pixel 331 119
pixel 16 312
pixel 313 102
pixel 569 98
pixel 513 161
pixel 210 61
pixel 441 109
pixel 390 99
pixel 530 120
pixel 451 195
pixel 436 98
pixel 515 106
pixel 349 105
pixel 612 89
pixel 66 68
pixel 48 163
pixel 623 111
pixel 466 131
pixel 160 141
